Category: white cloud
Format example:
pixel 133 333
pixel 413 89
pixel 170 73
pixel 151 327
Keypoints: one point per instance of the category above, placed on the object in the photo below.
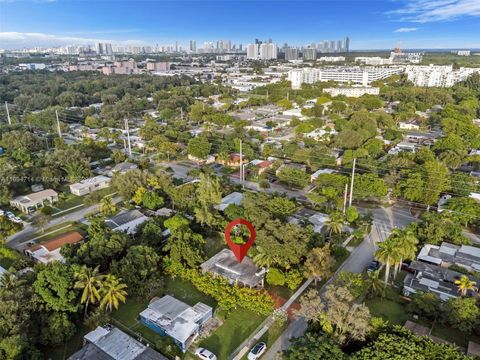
pixel 405 29
pixel 26 39
pixel 424 11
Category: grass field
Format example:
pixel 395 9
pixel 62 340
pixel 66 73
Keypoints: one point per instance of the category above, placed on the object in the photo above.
pixel 237 326
pixel 389 310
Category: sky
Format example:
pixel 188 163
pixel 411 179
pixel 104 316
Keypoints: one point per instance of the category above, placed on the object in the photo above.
pixel 371 24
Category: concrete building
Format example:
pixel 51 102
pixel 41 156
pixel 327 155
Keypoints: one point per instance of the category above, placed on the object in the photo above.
pixel 357 75
pixel 332 59
pixel 373 60
pixel 110 343
pixel 267 51
pixel 158 66
pixel 252 51
pixel 310 54
pixel 90 185
pixel 49 251
pixel 291 53
pixel 438 75
pixel 171 317
pixel 126 221
pixel 31 202
pixel 226 264
pixel 354 91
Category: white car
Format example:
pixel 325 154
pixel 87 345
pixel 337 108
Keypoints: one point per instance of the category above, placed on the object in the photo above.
pixel 16 219
pixel 10 214
pixel 205 354
pixel 257 351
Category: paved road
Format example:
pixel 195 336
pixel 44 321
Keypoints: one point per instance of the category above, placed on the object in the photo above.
pixel 385 219
pixel 18 241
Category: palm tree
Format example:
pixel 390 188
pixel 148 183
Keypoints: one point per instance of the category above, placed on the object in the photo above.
pixel 113 292
pixel 464 284
pixel 9 280
pixel 107 206
pixel 374 283
pixel 406 244
pixel 386 254
pixel 263 258
pixel 90 281
pixel 335 223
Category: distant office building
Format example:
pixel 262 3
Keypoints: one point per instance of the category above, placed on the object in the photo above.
pixel 310 54
pixel 291 53
pixel 103 48
pixel 268 51
pixel 347 44
pixel 193 46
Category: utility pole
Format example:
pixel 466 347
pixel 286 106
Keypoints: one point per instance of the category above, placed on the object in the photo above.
pixel 241 165
pixel 58 125
pixel 351 182
pixel 8 114
pixel 128 138
pixel 345 198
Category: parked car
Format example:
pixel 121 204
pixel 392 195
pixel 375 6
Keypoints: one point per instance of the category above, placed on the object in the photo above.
pixel 257 351
pixel 31 243
pixel 374 265
pixel 10 214
pixel 205 354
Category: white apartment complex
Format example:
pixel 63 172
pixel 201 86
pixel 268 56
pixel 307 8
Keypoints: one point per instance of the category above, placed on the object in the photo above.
pixel 438 75
pixel 266 51
pixel 332 58
pixel 356 75
pixel 354 91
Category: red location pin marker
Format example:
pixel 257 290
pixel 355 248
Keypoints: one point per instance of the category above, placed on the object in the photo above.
pixel 240 250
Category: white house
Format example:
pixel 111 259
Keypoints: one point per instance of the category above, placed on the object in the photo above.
pixel 31 202
pixel 90 185
pixel 319 172
pixel 126 221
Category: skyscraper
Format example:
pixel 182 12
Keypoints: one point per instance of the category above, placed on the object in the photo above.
pixel 252 51
pixel 347 44
pixel 193 46
pixel 268 51
pixel 309 53
pixel 291 53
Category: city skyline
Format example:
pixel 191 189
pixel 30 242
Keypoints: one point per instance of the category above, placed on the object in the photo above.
pixel 370 25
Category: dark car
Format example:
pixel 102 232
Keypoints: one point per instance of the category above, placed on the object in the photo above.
pixel 373 266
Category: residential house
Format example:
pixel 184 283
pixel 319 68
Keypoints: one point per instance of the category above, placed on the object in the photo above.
pixel 260 166
pixel 209 160
pixel 232 160
pixel 412 124
pixel 234 198
pixel 319 172
pixel 244 273
pixel 90 185
pixel 127 221
pixel 49 251
pixel 431 278
pixel 31 202
pixel 122 168
pixel 110 343
pixel 448 254
pixel 171 317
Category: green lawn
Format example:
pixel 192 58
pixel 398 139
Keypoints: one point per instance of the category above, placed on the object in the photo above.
pixel 8 257
pixel 68 202
pixel 57 230
pixel 237 326
pixel 389 310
